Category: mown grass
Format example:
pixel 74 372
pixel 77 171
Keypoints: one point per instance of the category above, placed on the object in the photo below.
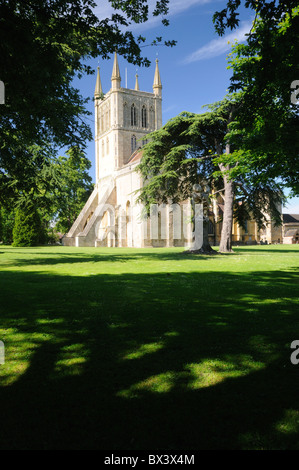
pixel 148 349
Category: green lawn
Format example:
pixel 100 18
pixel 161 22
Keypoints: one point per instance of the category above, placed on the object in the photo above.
pixel 149 349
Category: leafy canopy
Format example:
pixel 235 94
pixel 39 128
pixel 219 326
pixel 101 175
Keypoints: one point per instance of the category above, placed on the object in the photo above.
pixel 266 132
pixel 75 186
pixel 191 147
pixel 44 44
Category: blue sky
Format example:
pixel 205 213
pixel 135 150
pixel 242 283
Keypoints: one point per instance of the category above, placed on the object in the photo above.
pixel 193 73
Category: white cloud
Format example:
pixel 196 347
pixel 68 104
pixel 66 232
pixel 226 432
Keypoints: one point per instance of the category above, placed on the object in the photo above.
pixel 104 10
pixel 169 108
pixel 177 6
pixel 219 46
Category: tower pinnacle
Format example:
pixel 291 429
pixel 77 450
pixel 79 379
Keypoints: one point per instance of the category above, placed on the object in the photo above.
pixel 136 82
pixel 157 85
pixel 98 92
pixel 115 78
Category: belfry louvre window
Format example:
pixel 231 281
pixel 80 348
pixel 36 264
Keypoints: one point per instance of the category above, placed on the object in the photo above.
pixel 126 114
pixel 133 115
pixel 152 117
pixel 144 116
pixel 133 143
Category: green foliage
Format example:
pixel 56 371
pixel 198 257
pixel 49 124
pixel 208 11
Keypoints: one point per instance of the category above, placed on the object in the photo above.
pixel 177 156
pixel 57 186
pixel 182 152
pixel 6 225
pixel 270 12
pixel 28 228
pixel 192 146
pixel 40 178
pixel 44 45
pixel 75 186
pixel 253 202
pixel 52 237
pixel 266 132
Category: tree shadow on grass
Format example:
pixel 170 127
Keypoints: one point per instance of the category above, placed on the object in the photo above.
pixel 191 361
pixel 111 256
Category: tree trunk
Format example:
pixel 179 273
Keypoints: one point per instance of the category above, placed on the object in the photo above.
pixel 227 224
pixel 206 248
pixel 201 243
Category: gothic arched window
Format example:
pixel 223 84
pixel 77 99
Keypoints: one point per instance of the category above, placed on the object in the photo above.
pixel 144 116
pixel 107 145
pixel 125 117
pixel 133 115
pixel 152 117
pixel 133 143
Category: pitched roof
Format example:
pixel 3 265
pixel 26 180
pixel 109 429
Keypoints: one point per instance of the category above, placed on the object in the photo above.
pixel 290 218
pixel 135 157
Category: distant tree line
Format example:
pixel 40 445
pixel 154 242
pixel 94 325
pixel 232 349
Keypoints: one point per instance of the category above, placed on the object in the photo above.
pixel 51 206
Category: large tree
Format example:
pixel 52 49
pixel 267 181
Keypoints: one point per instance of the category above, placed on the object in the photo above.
pixel 190 148
pixel 58 192
pixel 7 219
pixel 44 44
pixel 29 229
pixel 264 68
pixel 73 189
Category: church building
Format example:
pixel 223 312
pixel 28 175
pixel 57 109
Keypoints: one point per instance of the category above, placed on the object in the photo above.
pixel 111 216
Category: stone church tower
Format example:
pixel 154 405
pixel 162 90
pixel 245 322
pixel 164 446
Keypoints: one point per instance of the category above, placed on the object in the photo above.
pixel 111 217
pixel 123 118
